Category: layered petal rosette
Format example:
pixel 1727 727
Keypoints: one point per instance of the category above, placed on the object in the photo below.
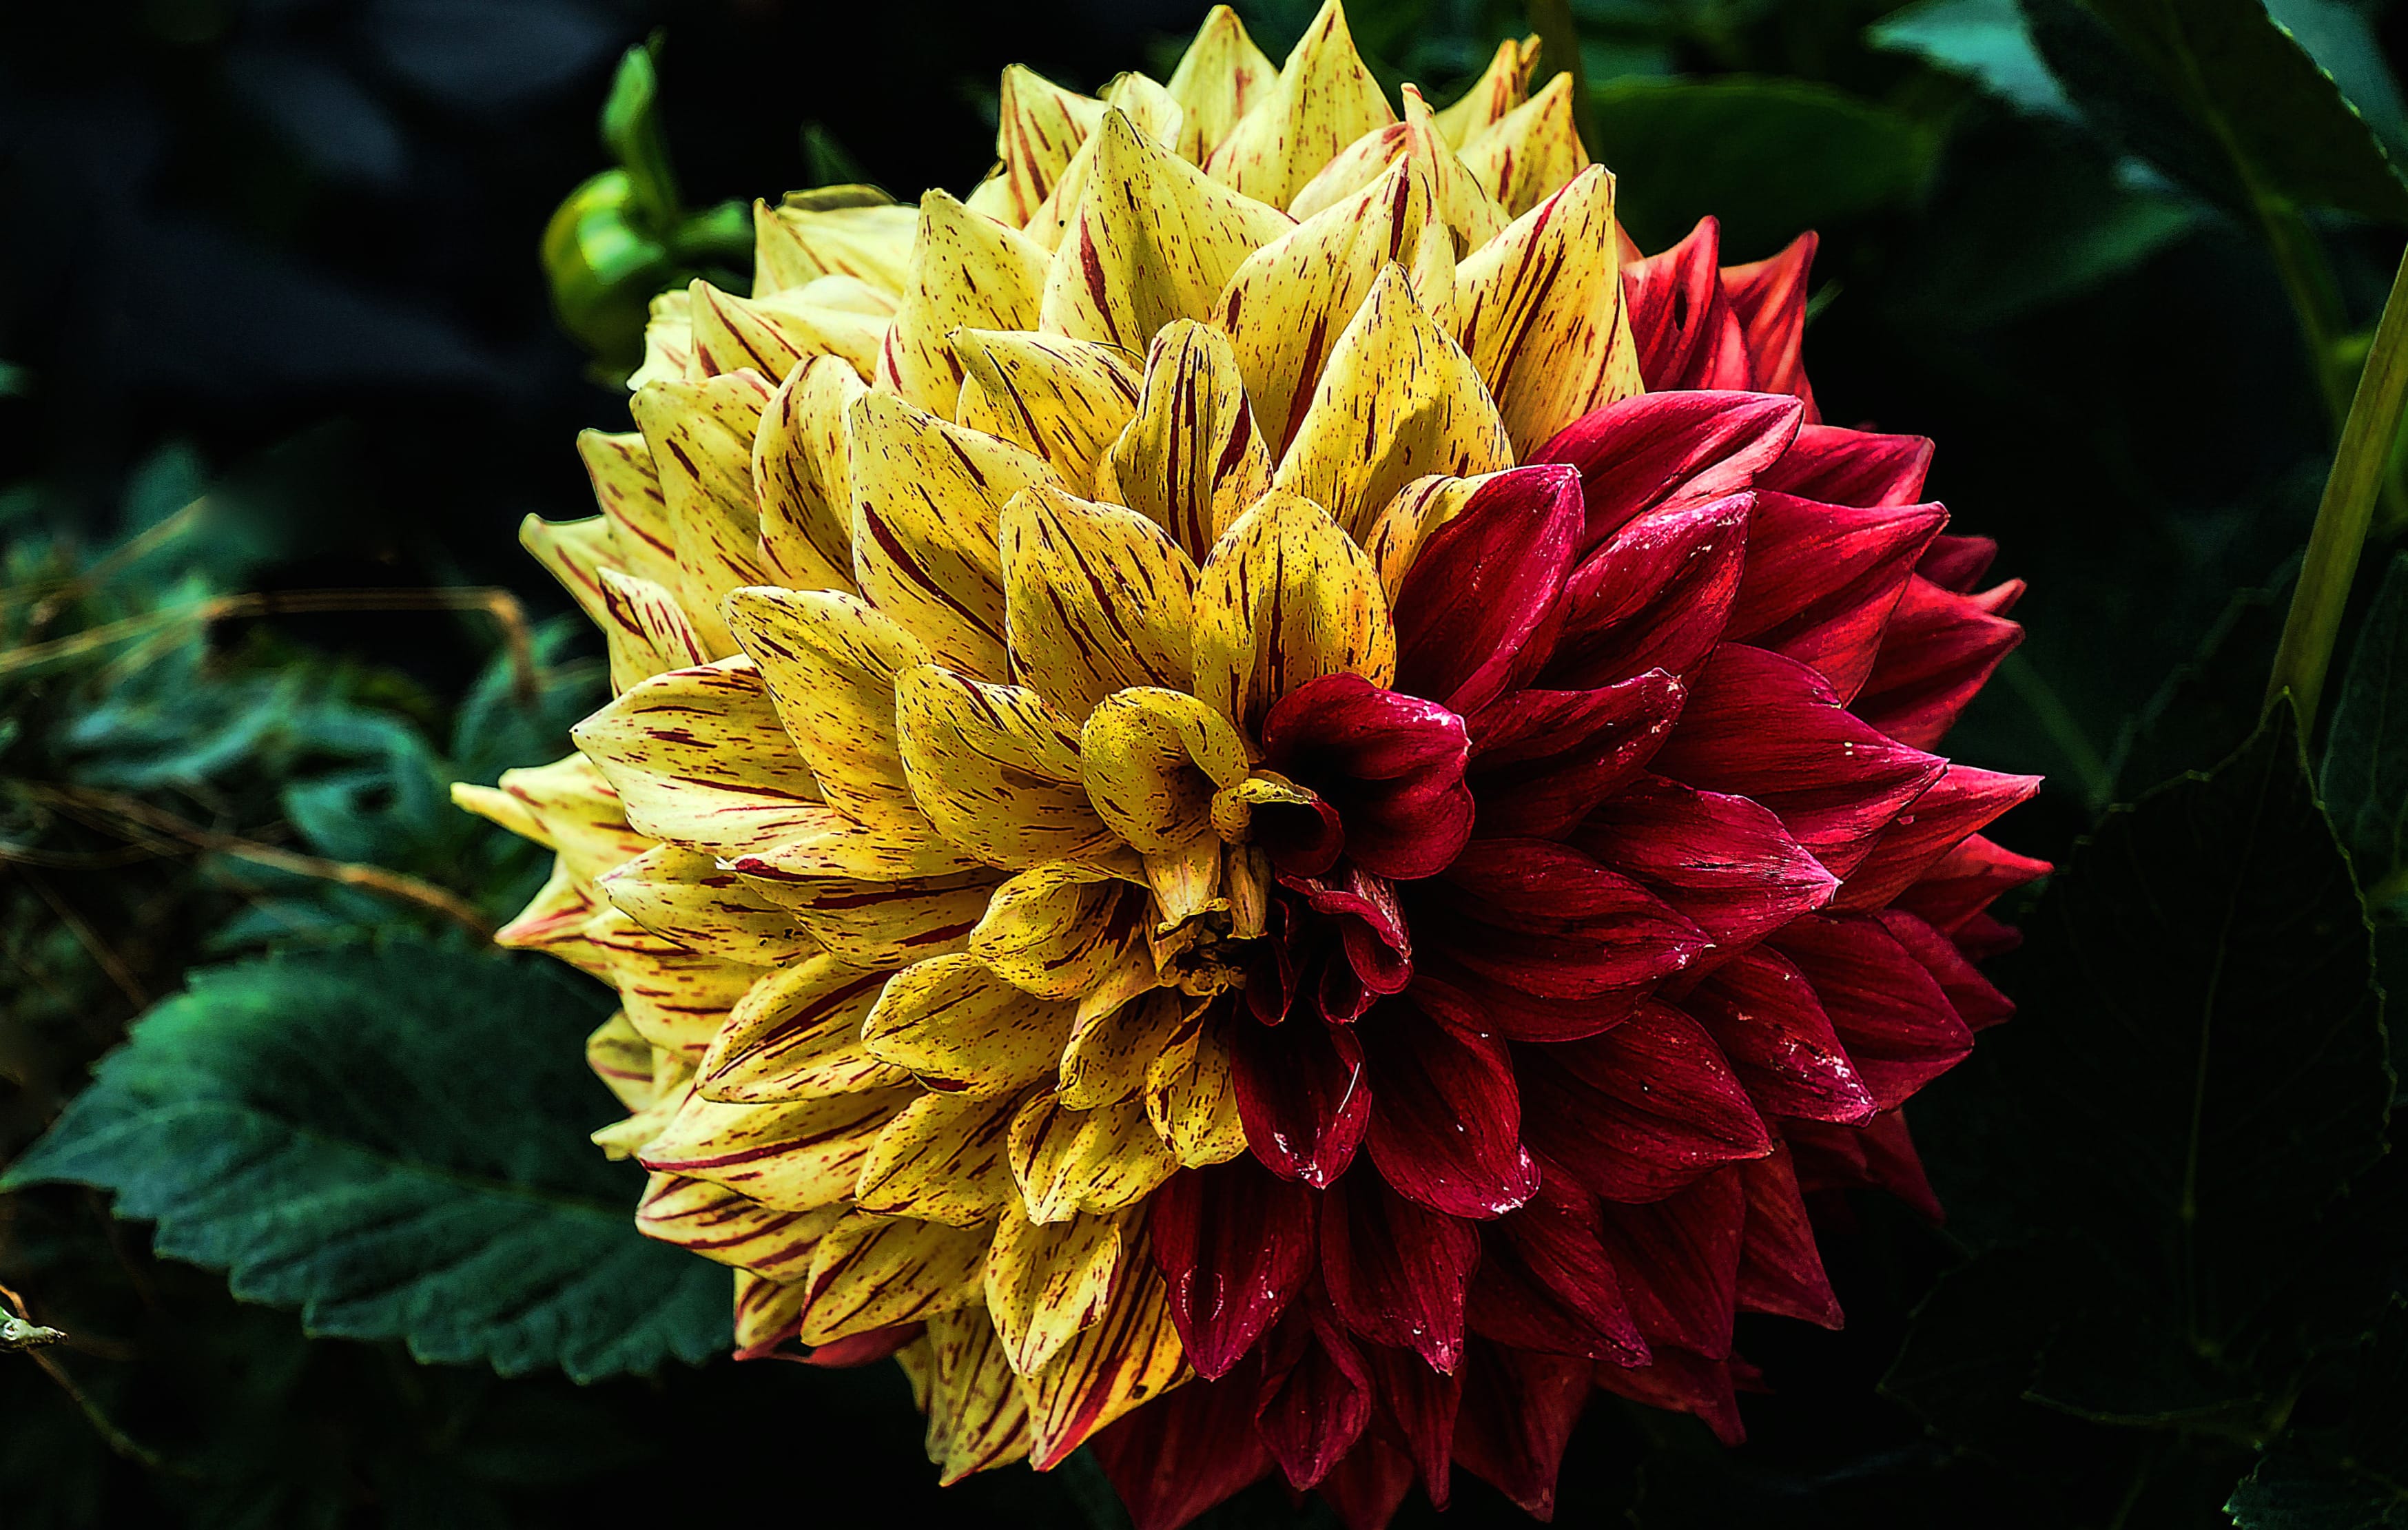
pixel 1268 805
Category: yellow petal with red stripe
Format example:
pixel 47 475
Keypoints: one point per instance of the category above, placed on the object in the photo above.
pixel 963 1030
pixel 623 1060
pixel 830 662
pixel 1095 599
pixel 668 341
pixel 1502 86
pixel 699 759
pixel 1323 100
pixel 978 1416
pixel 796 1035
pixel 820 235
pixel 1070 1161
pixel 793 1156
pixel 701 439
pixel 1107 1058
pixel 1130 1356
pixel 1193 458
pixel 675 998
pixel 682 897
pixel 801 473
pixel 945 1158
pixel 872 1272
pixel 645 630
pixel 1038 127
pixel 1220 77
pixel 1054 930
pixel 627 489
pixel 1532 151
pixel 575 553
pixel 720 1224
pixel 1152 759
pixel 771 334
pixel 1286 597
pixel 1045 1282
pixel 1419 509
pixel 995 768
pixel 878 925
pixel 1064 400
pixel 1190 1096
pixel 1536 312
pixel 968 272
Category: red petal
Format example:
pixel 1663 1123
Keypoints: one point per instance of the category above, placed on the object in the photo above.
pixel 1448 1130
pixel 1554 921
pixel 1761 726
pixel 1842 467
pixel 1420 1405
pixel 1315 1396
pixel 1540 759
pixel 1780 1267
pixel 1959 802
pixel 1764 1015
pixel 1958 563
pixel 1546 1282
pixel 1879 1153
pixel 1978 1003
pixel 1963 883
pixel 1642 1110
pixel 1669 450
pixel 1235 1245
pixel 1485 1004
pixel 1519 1409
pixel 1768 297
pixel 1938 652
pixel 1302 1096
pixel 1483 583
pixel 1180 1455
pixel 1680 318
pixel 1657 595
pixel 1889 1012
pixel 1679 1261
pixel 1396 1271
pixel 864 1349
pixel 1391 766
pixel 1370 1485
pixel 1726 864
pixel 1372 934
pixel 1682 1383
pixel 1822 579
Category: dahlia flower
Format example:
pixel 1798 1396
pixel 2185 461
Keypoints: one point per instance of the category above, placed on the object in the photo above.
pixel 1268 805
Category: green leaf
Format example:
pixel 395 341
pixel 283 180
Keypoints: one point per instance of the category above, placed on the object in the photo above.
pixel 631 130
pixel 2349 1469
pixel 2366 755
pixel 2195 1075
pixel 2218 94
pixel 1985 40
pixel 393 1140
pixel 2340 36
pixel 1772 158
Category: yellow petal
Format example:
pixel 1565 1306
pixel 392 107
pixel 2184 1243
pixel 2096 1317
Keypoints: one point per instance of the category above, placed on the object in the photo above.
pixel 802 476
pixel 1063 399
pixel 770 335
pixel 1192 460
pixel 1536 309
pixel 1038 127
pixel 879 925
pixel 718 1223
pixel 830 662
pixel 1286 597
pixel 1190 1098
pixel 1151 239
pixel 796 1035
pixel 796 1157
pixel 821 842
pixel 945 1159
pixel 1530 153
pixel 965 1030
pixel 968 271
pixel 1045 1282
pixel 699 759
pixel 623 1060
pixel 1095 600
pixel 926 495
pixel 1459 201
pixel 1399 399
pixel 1131 1355
pixel 701 438
pixel 1419 509
pixel 1055 929
pixel 1323 100
pixel 683 897
pixel 1107 1057
pixel 978 1415
pixel 872 1272
pixel 575 553
pixel 995 768
pixel 668 341
pixel 576 811
pixel 1186 882
pixel 1149 108
pixel 627 1138
pixel 766 1314
pixel 816 235
pixel 677 999
pixel 1152 759
pixel 1068 1160
pixel 1502 86
pixel 627 488
pixel 1219 78
pixel 645 630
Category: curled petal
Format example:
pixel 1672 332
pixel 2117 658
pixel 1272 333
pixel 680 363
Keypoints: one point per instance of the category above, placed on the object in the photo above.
pixel 1315 1394
pixel 968 271
pixel 942 1159
pixel 1543 761
pixel 1940 650
pixel 1669 450
pixel 1857 467
pixel 797 1035
pixel 1192 460
pixel 1045 1282
pixel 1763 1014
pixel 1096 600
pixel 1063 400
pixel 1546 1281
pixel 1768 299
pixel 962 1029
pixel 1822 580
pixel 1390 764
pixel 1068 1160
pixel 1152 759
pixel 1285 598
pixel 995 768
pixel 1688 336
pixel 1303 1096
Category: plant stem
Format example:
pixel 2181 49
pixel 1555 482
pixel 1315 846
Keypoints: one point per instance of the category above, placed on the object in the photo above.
pixel 2316 297
pixel 2360 465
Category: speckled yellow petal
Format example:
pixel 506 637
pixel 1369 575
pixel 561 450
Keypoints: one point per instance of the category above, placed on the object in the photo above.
pixel 879 925
pixel 830 662
pixel 1097 599
pixel 1532 151
pixel 575 553
pixel 978 1414
pixel 627 488
pixel 623 1060
pixel 1152 758
pixel 926 494
pixel 945 1159
pixel 574 810
pixel 677 999
pixel 718 1223
pixel 1536 309
pixel 872 1272
pixel 668 341
pixel 625 1139
pixel 1323 100
pixel 767 1312
pixel 1064 400
pixel 1107 1057
pixel 823 842
pixel 1219 78
pixel 1187 883
pixel 701 438
pixel 965 1030
pixel 793 1156
pixel 1128 1357
pixel 1192 460
pixel 968 271
pixel 1458 201
pixel 1046 1281
pixel 1068 1160
pixel 1502 86
pixel 818 236
pixel 1151 239
pixel 1055 929
pixel 995 768
pixel 1420 509
pixel 1286 597
pixel 1148 108
pixel 796 1035
pixel 699 759
pixel 1190 1098
pixel 644 629
pixel 683 897
pixel 1038 127
pixel 800 473
pixel 1398 400
pixel 770 335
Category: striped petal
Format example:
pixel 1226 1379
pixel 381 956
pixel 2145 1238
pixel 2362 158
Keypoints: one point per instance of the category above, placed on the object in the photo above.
pixel 829 662
pixel 978 1412
pixel 963 1030
pixel 1131 1355
pixel 1045 1282
pixel 1063 400
pixel 1323 100
pixel 796 1035
pixel 1191 1096
pixel 995 768
pixel 874 1272
pixel 771 335
pixel 1286 597
pixel 627 489
pixel 701 439
pixel 1191 460
pixel 685 898
pixel 1530 153
pixel 1054 930
pixel 1070 1161
pixel 943 1159
pixel 801 475
pixel 1504 85
pixel 796 1157
pixel 1097 599
pixel 1108 1054
pixel 699 759
pixel 644 629
pixel 1220 77
pixel 1152 760
pixel 878 925
pixel 968 272
pixel 575 553
pixel 1038 127
pixel 675 998
pixel 811 238
pixel 720 1224
pixel 1459 203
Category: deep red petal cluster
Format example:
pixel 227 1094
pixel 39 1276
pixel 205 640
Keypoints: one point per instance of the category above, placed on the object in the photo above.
pixel 1622 925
